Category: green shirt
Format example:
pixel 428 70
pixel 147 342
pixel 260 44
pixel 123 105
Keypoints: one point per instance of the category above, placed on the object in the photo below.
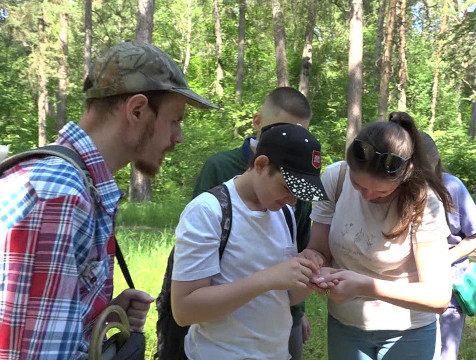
pixel 223 166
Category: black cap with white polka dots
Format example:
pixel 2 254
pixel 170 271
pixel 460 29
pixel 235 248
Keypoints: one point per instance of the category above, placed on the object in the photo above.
pixel 298 155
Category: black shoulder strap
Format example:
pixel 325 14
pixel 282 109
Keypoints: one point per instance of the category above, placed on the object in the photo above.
pixel 77 161
pixel 123 265
pixel 223 195
pixel 289 220
pixel 49 150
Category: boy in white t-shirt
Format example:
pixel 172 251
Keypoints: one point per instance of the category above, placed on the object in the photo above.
pixel 238 306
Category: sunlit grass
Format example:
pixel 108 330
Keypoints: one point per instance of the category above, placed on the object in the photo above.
pixel 156 215
pixel 146 252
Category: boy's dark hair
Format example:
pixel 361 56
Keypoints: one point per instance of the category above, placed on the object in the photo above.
pixel 290 100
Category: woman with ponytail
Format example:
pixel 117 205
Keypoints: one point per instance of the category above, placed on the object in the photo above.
pixel 382 247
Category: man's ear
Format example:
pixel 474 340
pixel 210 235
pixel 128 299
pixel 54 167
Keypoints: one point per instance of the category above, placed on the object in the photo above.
pixel 134 108
pixel 257 122
pixel 260 163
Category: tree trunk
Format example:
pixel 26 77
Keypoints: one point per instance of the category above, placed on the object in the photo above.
pixel 436 76
pixel 402 72
pixel 280 44
pixel 354 92
pixel 458 90
pixel 378 43
pixel 42 79
pixel 145 20
pixel 240 65
pixel 387 60
pixel 306 62
pixel 140 187
pixel 188 44
pixel 472 124
pixel 88 36
pixel 219 44
pixel 62 71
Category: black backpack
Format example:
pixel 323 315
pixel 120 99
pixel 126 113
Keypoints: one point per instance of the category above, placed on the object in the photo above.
pixel 170 336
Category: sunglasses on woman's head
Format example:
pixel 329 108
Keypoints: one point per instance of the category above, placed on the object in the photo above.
pixel 390 162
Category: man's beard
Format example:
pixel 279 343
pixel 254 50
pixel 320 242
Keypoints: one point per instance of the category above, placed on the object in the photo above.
pixel 143 166
pixel 147 169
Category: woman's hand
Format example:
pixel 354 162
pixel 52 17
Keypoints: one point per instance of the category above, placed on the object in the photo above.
pixel 346 285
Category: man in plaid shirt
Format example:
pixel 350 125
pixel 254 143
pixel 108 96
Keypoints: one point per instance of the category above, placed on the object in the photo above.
pixel 56 238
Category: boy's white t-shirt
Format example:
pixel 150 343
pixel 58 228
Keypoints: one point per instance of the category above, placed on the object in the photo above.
pixel 258 240
pixel 356 243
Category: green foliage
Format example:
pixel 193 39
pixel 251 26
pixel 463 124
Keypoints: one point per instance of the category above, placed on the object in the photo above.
pixel 458 155
pixel 207 132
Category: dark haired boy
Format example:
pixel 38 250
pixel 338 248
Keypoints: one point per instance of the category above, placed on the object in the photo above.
pixel 238 307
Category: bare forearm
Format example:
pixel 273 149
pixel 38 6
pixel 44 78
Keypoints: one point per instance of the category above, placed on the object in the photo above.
pixel 215 301
pixel 464 248
pixel 422 296
pixel 319 242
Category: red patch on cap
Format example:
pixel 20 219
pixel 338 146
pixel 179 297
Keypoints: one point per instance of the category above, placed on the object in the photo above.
pixel 316 159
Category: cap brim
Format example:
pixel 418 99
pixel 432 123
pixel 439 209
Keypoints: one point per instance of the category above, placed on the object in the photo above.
pixel 195 100
pixel 305 187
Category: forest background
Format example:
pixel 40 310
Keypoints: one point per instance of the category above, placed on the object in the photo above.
pixel 355 60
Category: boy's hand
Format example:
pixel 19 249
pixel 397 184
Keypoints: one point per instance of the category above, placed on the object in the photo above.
pixel 315 257
pixel 322 283
pixel 136 304
pixel 292 273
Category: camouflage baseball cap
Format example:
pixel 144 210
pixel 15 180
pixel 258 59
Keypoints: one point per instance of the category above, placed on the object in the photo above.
pixel 133 67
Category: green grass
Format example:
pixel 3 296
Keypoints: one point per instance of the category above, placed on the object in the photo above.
pixel 146 252
pixel 155 215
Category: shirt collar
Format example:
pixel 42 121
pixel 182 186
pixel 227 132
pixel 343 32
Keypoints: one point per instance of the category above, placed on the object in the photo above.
pixel 246 148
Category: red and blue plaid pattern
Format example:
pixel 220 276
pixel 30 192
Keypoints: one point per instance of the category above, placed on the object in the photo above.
pixel 56 253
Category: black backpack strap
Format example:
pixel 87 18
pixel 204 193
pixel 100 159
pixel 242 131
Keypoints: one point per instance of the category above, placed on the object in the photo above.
pixel 123 265
pixel 289 220
pixel 52 150
pixel 223 196
pixel 76 160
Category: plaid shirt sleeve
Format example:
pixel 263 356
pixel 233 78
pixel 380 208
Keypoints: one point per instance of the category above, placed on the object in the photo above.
pixel 56 275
